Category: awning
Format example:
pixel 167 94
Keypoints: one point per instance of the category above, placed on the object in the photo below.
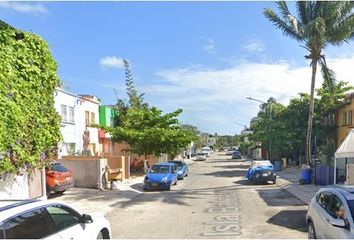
pixel 346 149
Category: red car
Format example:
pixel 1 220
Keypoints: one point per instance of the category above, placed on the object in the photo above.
pixel 58 178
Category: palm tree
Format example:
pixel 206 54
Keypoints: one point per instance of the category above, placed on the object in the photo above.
pixel 317 25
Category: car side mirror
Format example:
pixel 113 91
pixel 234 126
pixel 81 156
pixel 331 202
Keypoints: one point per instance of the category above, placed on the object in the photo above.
pixel 85 218
pixel 339 223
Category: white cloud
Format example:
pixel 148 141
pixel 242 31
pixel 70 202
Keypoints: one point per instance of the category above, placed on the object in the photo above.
pixel 254 46
pixel 210 46
pixel 112 62
pixel 213 97
pixel 23 7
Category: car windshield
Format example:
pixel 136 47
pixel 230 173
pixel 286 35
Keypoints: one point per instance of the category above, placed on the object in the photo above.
pixel 178 163
pixel 262 164
pixel 58 167
pixel 200 154
pixel 351 207
pixel 160 169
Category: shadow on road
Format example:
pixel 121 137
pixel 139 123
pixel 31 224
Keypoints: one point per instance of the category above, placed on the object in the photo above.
pixel 292 219
pixel 227 173
pixel 236 167
pixel 278 197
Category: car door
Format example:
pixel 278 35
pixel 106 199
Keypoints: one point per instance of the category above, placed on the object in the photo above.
pixel 67 222
pixel 31 224
pixel 336 232
pixel 320 214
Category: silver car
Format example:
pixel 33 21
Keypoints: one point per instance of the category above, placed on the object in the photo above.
pixel 330 213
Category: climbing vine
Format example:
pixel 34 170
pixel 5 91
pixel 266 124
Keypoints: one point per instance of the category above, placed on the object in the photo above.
pixel 29 124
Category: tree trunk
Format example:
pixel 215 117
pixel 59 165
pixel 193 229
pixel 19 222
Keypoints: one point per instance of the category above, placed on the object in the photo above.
pixel 311 110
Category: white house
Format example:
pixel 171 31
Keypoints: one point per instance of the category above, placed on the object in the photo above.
pixel 68 105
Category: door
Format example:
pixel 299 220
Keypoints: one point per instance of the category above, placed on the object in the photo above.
pixel 67 222
pixel 32 224
pixel 337 210
pixel 321 214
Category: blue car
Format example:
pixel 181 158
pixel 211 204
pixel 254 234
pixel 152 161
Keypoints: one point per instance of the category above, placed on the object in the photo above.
pixel 161 176
pixel 261 172
pixel 182 170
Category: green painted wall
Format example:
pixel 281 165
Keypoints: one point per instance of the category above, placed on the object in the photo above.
pixel 107 115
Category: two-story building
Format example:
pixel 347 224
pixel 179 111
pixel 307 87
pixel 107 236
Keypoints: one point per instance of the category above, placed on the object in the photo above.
pixel 90 111
pixel 68 105
pixel 108 114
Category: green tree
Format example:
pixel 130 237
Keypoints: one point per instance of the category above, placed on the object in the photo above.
pixel 318 24
pixel 135 99
pixel 148 131
pixel 30 126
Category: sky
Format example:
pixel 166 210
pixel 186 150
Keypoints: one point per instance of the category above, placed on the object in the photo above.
pixel 203 57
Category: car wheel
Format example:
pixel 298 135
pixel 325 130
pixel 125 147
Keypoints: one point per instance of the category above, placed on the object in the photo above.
pixel 169 187
pixel 274 181
pixel 311 231
pixel 175 183
pixel 181 178
pixel 60 192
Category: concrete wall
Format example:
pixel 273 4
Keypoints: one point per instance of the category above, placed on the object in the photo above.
pixel 88 172
pixel 22 187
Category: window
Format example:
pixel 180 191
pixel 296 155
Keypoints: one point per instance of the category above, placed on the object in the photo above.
pixel 29 225
pixel 87 117
pixel 63 217
pixel 323 199
pixel 93 118
pixel 344 120
pixel 350 117
pixel 335 206
pixel 63 114
pixel 71 114
pixel 2 232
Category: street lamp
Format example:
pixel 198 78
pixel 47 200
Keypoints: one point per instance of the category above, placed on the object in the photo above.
pixel 270 126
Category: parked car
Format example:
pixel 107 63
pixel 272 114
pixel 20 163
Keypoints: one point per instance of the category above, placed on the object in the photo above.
pixel 229 152
pixel 58 178
pixel 207 151
pixel 200 157
pixel 161 176
pixel 262 172
pixel 34 219
pixel 330 213
pixel 236 155
pixel 182 170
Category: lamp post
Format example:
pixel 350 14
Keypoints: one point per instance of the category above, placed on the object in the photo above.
pixel 270 126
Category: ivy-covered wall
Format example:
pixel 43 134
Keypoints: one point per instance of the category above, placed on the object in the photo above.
pixel 29 124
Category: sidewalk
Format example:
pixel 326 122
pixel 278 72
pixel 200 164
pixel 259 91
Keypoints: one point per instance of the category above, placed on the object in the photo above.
pixel 289 180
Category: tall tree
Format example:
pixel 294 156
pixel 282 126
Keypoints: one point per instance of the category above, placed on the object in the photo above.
pixel 29 124
pixel 317 25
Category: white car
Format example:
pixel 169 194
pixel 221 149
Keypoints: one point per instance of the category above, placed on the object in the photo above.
pixel 200 157
pixel 33 219
pixel 207 151
pixel 330 213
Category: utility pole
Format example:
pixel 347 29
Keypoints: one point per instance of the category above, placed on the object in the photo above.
pixel 270 123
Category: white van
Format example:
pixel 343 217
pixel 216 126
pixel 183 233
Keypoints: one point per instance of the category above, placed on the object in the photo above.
pixel 207 151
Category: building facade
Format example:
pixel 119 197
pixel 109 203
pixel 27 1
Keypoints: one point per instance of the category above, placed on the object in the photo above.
pixel 107 115
pixel 90 116
pixel 68 106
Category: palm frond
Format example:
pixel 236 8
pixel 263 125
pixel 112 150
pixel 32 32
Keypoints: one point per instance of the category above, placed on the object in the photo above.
pixel 329 79
pixel 287 29
pixel 304 11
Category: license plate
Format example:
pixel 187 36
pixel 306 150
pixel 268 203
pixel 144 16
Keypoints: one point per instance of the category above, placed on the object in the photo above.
pixel 154 184
pixel 265 174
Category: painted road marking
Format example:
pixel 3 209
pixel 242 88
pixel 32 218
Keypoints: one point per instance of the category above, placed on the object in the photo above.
pixel 227 219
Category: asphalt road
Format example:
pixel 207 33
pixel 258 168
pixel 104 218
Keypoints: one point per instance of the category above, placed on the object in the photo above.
pixel 214 201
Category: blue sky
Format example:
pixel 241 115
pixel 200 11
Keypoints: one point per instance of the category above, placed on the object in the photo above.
pixel 203 57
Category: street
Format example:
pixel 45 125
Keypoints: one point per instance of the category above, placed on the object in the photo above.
pixel 214 201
